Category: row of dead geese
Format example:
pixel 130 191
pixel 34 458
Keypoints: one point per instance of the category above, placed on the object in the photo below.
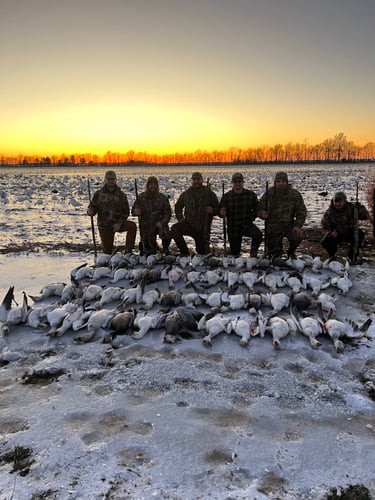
pixel 80 305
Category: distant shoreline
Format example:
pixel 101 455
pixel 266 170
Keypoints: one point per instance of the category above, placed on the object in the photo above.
pixel 136 164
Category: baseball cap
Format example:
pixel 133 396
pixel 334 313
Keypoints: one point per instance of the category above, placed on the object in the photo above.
pixel 340 196
pixel 197 175
pixel 237 177
pixel 110 174
pixel 281 176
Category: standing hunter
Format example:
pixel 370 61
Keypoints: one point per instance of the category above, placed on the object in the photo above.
pixel 285 216
pixel 154 212
pixel 111 205
pixel 239 207
pixel 194 210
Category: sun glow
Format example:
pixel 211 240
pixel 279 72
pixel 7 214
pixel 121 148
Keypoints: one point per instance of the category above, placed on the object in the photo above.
pixel 100 128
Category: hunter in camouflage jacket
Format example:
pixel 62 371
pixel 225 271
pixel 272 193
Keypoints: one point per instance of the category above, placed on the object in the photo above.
pixel 154 213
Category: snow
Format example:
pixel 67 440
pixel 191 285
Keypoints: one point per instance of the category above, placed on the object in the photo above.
pixel 148 419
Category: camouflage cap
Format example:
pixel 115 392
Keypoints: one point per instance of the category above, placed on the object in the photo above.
pixel 197 175
pixel 340 196
pixel 110 174
pixel 281 176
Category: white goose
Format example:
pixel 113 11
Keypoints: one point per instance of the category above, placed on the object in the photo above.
pixel 216 325
pixel 327 303
pixel 279 328
pixel 308 326
pixel 132 295
pixel 120 274
pixel 146 323
pixel 97 320
pixel 249 279
pixel 243 329
pixel 278 302
pixel 110 294
pixel 68 321
pixel 233 302
pixel 56 316
pixel 5 307
pixel 150 298
pixel 51 290
pixel 192 298
pixel 342 283
pixel 92 292
pixel 16 316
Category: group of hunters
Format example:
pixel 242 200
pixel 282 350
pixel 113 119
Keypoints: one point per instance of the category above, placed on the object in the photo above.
pixel 281 207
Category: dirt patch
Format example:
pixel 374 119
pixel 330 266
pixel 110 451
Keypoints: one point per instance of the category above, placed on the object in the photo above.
pixel 20 457
pixel 357 492
pixel 42 377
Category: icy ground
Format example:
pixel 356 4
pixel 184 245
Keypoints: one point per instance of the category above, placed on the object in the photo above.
pixel 147 419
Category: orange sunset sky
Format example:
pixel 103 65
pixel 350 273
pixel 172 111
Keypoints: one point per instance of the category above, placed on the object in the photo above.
pixel 167 76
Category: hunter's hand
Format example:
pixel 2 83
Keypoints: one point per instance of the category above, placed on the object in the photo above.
pixel 298 232
pixel 90 212
pixel 264 214
pixel 223 212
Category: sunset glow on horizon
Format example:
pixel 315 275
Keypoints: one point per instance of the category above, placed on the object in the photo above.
pixel 86 76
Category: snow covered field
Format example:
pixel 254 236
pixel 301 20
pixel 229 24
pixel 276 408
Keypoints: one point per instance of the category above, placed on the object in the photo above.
pixel 148 419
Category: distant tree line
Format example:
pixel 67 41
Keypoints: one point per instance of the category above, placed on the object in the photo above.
pixel 334 150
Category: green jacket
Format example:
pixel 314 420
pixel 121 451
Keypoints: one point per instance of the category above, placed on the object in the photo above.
pixel 286 208
pixel 112 207
pixel 192 205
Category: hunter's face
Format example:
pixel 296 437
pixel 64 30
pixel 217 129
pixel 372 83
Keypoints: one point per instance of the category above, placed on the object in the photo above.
pixel 339 204
pixel 152 187
pixel 110 182
pixel 197 182
pixel 281 184
pixel 237 185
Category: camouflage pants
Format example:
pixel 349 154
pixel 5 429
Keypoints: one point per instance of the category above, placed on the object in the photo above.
pixel 107 236
pixel 275 237
pixel 148 238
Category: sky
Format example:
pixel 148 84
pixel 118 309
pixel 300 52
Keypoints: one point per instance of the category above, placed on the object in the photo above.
pixel 167 76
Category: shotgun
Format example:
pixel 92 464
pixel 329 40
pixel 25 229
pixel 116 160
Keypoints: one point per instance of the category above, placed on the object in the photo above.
pixel 207 223
pixel 92 221
pixel 224 229
pixel 266 222
pixel 141 248
pixel 356 229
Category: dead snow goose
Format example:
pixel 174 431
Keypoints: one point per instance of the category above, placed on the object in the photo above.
pixel 150 298
pixel 17 315
pixel 215 326
pixel 110 294
pixel 92 292
pixel 308 326
pixel 51 290
pixel 279 328
pixel 146 323
pixel 243 329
